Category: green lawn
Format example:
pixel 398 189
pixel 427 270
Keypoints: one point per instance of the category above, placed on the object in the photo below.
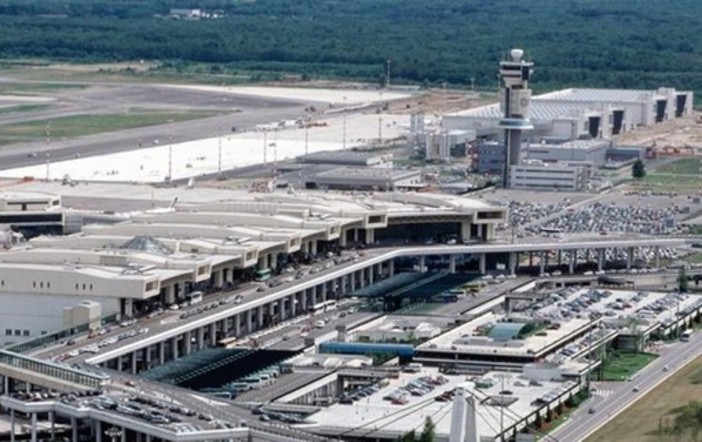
pixel 682 173
pixel 685 166
pixel 693 258
pixel 36 88
pixel 78 125
pixel 673 181
pixel 23 108
pixel 621 366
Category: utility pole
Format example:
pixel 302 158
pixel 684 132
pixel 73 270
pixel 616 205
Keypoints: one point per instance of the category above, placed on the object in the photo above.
pixel 219 151
pixel 48 153
pixel 344 129
pixel 265 141
pixel 380 119
pixel 170 152
pixel 274 144
pixel 387 73
pixel 307 133
pixel 503 377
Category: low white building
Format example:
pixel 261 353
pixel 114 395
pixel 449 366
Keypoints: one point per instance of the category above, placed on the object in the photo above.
pixel 536 175
pixel 399 331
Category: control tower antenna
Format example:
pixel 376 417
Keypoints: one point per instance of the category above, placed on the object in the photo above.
pixel 515 98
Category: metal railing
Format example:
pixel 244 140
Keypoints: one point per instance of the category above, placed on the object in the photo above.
pixel 56 337
pixel 52 370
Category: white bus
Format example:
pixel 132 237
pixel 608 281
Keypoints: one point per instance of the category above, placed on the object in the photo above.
pixel 227 342
pixel 686 335
pixel 193 298
pixel 323 307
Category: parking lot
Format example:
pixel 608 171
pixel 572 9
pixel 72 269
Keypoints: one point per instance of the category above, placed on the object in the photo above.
pixel 404 403
pixel 639 212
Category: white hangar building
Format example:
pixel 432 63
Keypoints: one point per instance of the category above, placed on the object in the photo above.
pixel 582 113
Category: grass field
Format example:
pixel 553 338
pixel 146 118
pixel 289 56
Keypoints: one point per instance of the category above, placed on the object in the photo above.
pixel 36 88
pixel 684 166
pixel 672 182
pixel 23 108
pixel 621 366
pixel 681 174
pixel 639 422
pixel 693 258
pixel 78 125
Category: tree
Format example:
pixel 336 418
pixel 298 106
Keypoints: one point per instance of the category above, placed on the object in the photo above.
pixel 638 170
pixel 538 422
pixel 428 433
pixel 683 283
pixel 408 437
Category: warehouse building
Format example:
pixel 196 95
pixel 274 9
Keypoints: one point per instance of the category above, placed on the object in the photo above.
pixel 593 152
pixel 347 178
pixel 348 158
pixel 570 114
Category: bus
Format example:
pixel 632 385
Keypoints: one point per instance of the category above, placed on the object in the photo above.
pixel 446 297
pixel 323 307
pixel 686 335
pixel 553 232
pixel 193 298
pixel 263 275
pixel 227 342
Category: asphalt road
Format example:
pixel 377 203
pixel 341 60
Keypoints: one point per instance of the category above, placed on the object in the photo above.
pixel 170 319
pixel 621 395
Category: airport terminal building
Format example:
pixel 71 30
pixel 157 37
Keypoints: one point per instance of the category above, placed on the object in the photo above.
pixel 160 257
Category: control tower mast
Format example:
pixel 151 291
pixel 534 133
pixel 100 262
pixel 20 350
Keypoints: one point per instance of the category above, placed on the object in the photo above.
pixel 515 97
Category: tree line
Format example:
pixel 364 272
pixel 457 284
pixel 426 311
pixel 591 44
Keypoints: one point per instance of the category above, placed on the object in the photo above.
pixel 603 43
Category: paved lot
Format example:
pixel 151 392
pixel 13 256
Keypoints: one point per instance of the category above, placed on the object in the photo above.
pixel 115 98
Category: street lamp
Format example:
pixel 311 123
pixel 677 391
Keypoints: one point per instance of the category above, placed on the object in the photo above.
pixel 308 121
pixel 170 151
pixel 48 150
pixel 113 433
pixel 219 151
pixel 502 377
pixel 380 119
pixel 344 131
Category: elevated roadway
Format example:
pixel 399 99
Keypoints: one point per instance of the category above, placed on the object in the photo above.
pixel 170 325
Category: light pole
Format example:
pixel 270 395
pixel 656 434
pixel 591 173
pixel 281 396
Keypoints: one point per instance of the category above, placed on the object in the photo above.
pixel 344 129
pixel 48 153
pixel 265 141
pixel 308 121
pixel 380 119
pixel 219 151
pixel 502 377
pixel 170 151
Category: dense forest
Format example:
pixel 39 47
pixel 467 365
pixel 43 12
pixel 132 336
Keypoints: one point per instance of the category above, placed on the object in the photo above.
pixel 605 43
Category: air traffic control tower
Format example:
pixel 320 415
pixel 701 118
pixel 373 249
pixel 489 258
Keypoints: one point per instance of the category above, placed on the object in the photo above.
pixel 515 98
